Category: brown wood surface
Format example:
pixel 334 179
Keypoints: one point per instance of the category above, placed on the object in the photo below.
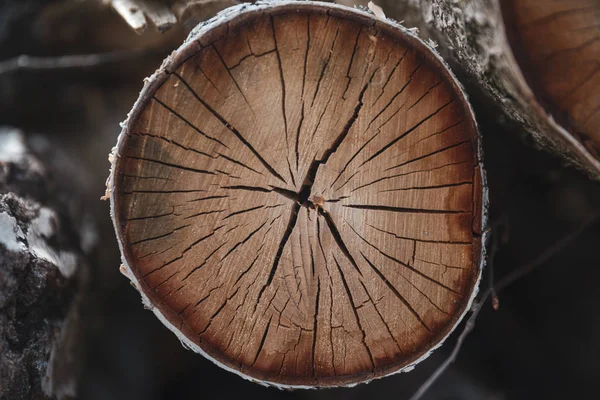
pixel 301 197
pixel 558 44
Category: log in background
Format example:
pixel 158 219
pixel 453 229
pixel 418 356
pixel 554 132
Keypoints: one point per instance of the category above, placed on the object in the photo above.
pixel 543 342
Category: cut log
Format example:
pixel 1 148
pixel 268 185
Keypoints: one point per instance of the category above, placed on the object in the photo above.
pixel 43 272
pixel 557 43
pixel 298 195
pixel 554 76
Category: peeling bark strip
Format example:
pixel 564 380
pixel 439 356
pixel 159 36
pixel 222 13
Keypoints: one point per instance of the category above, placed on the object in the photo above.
pixel 298 195
pixel 538 61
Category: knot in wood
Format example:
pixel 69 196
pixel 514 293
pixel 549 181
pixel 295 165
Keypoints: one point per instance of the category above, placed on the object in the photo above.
pixel 299 202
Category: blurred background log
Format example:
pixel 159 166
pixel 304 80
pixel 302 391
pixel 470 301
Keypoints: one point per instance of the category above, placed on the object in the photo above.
pixel 557 46
pixel 44 236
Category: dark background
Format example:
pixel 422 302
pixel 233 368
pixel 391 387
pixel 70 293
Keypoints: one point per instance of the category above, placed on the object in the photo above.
pixel 543 342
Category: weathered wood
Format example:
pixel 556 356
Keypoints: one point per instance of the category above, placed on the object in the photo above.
pixel 42 276
pixel 298 195
pixel 472 37
pixel 162 13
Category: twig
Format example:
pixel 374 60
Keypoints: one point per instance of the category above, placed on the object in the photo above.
pixel 518 273
pixel 499 235
pixel 490 268
pixel 33 63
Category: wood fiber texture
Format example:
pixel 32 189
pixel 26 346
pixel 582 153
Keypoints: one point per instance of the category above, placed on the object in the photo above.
pixel 299 195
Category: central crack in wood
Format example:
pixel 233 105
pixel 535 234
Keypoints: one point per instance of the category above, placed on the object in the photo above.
pixel 303 197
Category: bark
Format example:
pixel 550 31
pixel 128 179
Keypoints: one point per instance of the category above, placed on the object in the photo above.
pixel 43 237
pixel 472 37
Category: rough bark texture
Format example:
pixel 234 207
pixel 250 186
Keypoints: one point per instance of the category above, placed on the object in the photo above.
pixel 298 195
pixel 472 37
pixel 43 234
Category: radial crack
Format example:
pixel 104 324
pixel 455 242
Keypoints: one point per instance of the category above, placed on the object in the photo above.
pixel 232 129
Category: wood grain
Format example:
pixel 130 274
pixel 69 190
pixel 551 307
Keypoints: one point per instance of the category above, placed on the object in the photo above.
pixel 300 196
pixel 558 44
